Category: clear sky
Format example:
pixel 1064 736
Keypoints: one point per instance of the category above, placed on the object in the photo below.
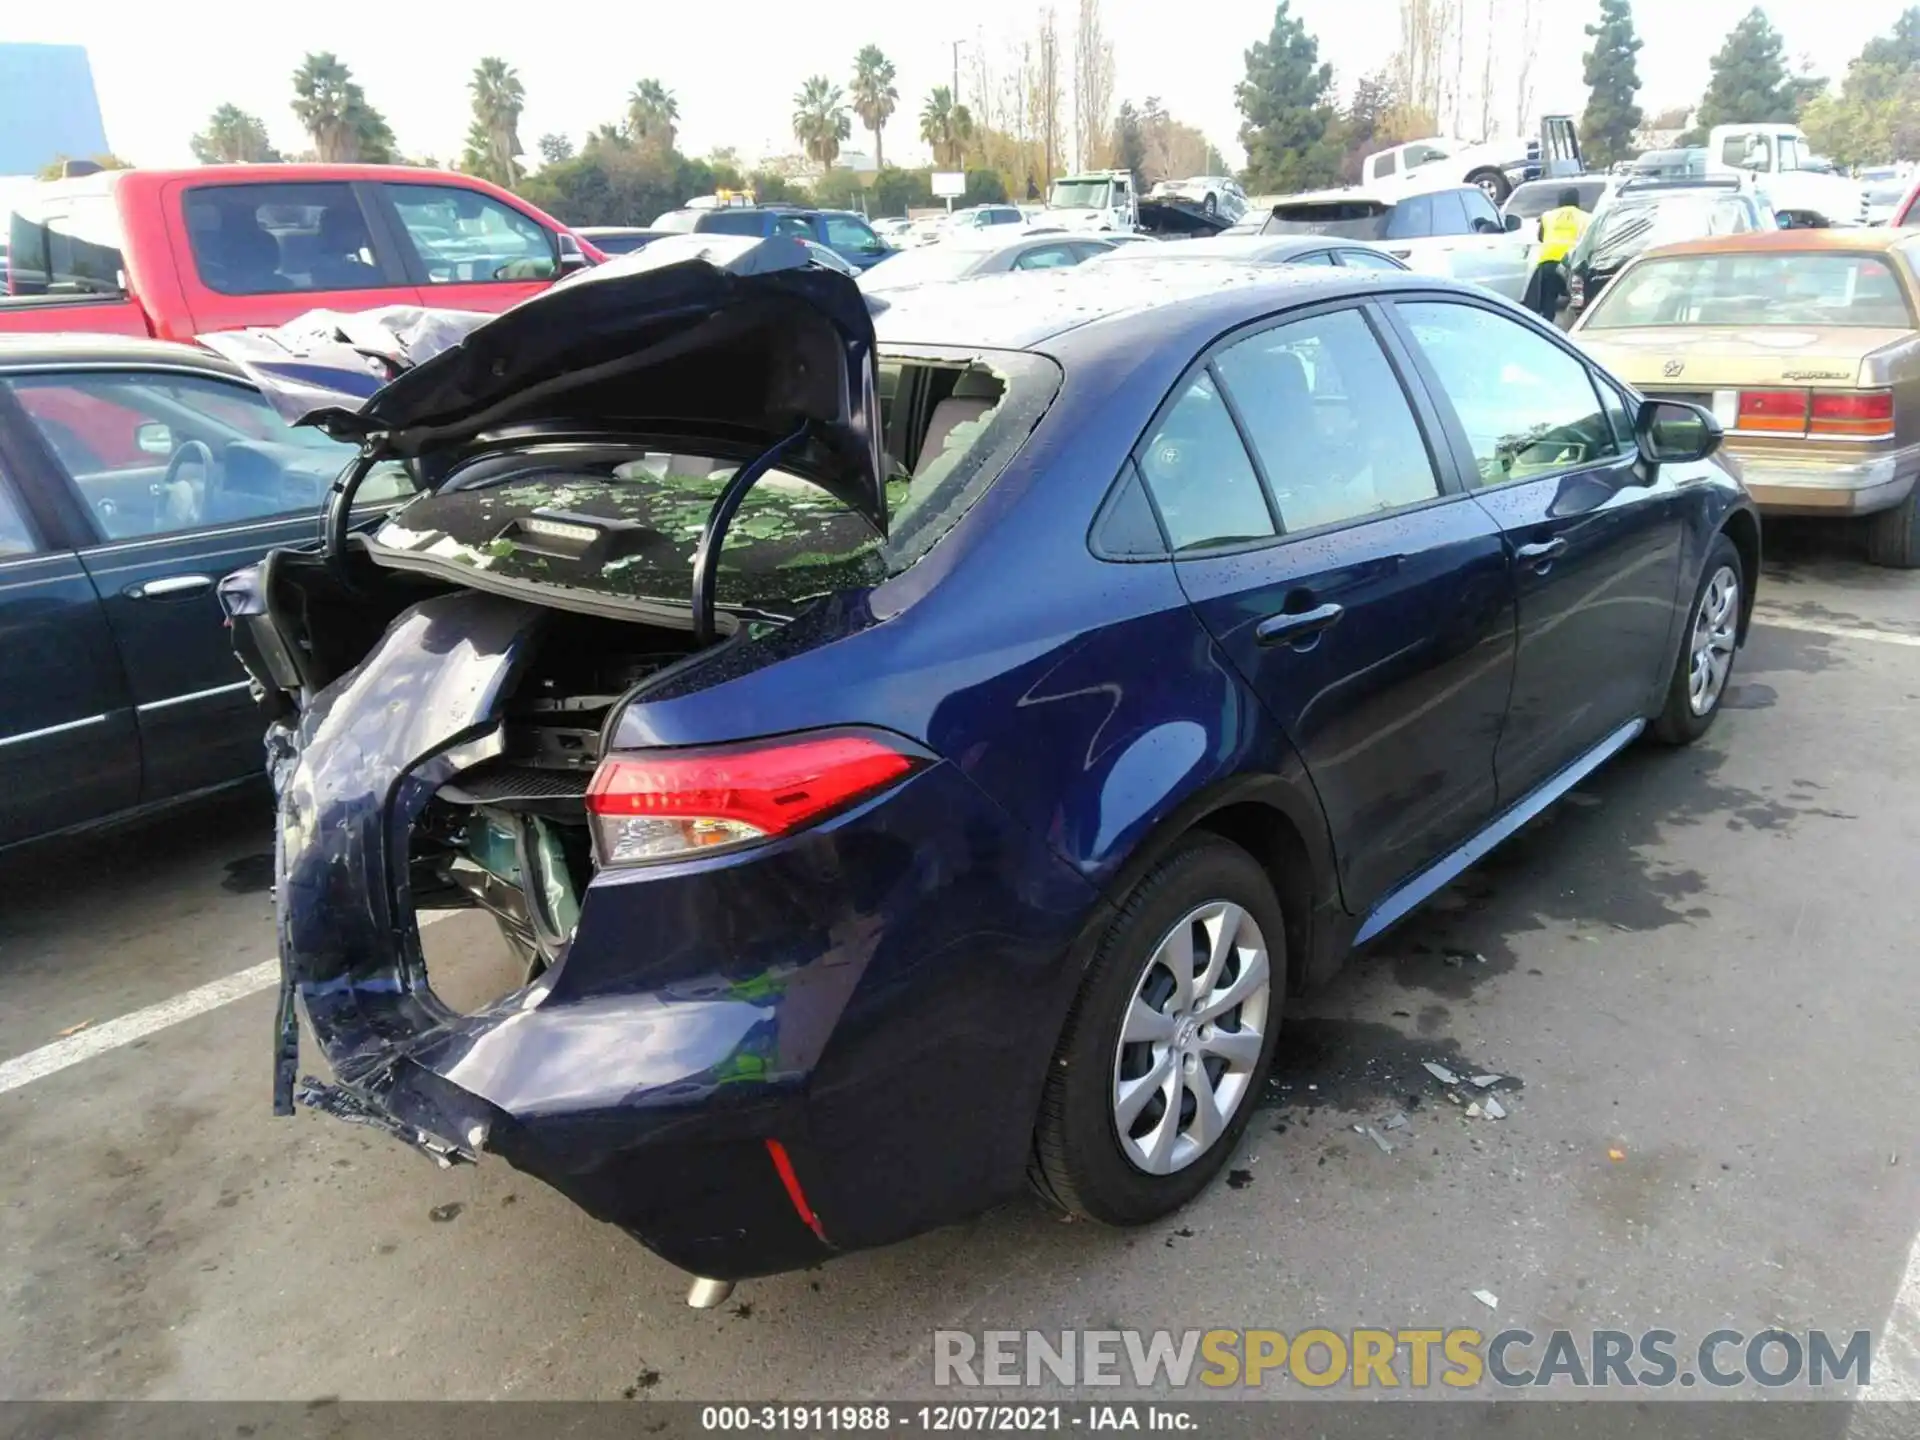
pixel 162 68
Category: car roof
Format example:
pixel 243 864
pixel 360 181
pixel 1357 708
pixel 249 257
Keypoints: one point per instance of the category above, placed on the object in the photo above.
pixel 1257 249
pixel 1858 240
pixel 23 350
pixel 1184 305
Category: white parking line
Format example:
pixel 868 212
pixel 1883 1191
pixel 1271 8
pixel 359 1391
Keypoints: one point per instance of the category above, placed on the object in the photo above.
pixel 1775 620
pixel 1896 1359
pixel 138 1024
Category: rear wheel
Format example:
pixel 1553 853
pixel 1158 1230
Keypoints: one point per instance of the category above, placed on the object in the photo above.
pixel 1158 1069
pixel 1494 183
pixel 1893 536
pixel 1705 661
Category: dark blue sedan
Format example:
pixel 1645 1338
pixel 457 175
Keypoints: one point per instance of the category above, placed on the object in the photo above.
pixel 912 766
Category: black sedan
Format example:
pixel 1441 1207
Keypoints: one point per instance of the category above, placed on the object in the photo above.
pixel 133 475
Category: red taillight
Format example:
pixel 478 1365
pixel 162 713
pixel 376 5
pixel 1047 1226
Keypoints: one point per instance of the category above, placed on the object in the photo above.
pixel 660 805
pixel 1853 414
pixel 1780 412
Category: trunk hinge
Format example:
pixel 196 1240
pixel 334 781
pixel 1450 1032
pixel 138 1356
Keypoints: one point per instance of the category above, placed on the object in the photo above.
pixel 706 558
pixel 338 518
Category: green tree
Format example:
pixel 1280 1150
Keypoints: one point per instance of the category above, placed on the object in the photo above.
pixel 1288 126
pixel 1875 117
pixel 56 168
pixel 874 98
pixel 947 126
pixel 1613 79
pixel 233 137
pixel 651 113
pixel 1129 145
pixel 1749 83
pixel 334 111
pixel 554 148
pixel 896 191
pixel 820 120
pixel 493 139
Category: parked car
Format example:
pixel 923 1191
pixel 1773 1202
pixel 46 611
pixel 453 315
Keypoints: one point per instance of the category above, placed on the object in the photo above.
pixel 1258 250
pixel 177 253
pixel 846 234
pixel 1215 195
pixel 1885 187
pixel 964 258
pixel 1533 199
pixel 133 474
pixel 1048 732
pixel 619 239
pixel 1646 211
pixel 1803 344
pixel 977 218
pixel 1454 232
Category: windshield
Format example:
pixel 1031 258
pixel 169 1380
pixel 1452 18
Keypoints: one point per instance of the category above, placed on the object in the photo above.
pixel 1349 219
pixel 1080 195
pixel 1755 289
pixel 624 520
pixel 1622 231
pixel 65 245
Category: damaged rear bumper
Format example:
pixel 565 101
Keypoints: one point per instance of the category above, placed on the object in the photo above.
pixel 748 1062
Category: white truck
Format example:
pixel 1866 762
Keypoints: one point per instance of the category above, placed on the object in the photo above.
pixel 1092 200
pixel 1496 166
pixel 1779 156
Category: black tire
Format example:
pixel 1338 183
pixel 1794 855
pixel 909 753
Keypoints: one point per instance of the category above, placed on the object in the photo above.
pixel 1211 205
pixel 1078 1162
pixel 1497 186
pixel 1678 722
pixel 1893 536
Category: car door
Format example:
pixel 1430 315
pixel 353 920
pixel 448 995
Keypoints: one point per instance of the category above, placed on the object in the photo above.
pixel 1595 549
pixel 216 480
pixel 69 751
pixel 853 240
pixel 464 249
pixel 1506 256
pixel 259 254
pixel 1322 539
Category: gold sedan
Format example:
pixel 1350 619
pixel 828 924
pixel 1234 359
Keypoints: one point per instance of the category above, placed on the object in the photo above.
pixel 1804 345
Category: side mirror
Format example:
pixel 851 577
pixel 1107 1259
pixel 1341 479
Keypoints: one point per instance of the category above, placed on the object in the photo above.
pixel 153 438
pixel 1671 432
pixel 1513 223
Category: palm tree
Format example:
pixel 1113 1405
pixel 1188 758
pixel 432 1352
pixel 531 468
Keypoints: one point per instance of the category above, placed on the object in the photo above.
pixel 325 100
pixel 820 120
pixel 945 126
pixel 874 97
pixel 651 111
pixel 232 137
pixel 498 99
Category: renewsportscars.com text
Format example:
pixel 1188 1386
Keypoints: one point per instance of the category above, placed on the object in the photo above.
pixel 1365 1359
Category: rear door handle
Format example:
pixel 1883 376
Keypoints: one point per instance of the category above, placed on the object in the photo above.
pixel 1542 555
pixel 168 585
pixel 1297 625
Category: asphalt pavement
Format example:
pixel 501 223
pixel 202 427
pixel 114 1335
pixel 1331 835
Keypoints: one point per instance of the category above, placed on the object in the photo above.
pixel 1696 974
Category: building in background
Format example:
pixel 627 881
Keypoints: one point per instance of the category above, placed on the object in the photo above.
pixel 48 108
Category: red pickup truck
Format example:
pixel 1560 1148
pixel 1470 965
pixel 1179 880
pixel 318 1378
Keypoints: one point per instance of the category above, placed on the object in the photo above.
pixel 179 253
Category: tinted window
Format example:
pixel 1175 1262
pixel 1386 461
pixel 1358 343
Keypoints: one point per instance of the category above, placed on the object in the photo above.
pixel 1368 260
pixel 796 227
pixel 1411 219
pixel 1532 201
pixel 1313 257
pixel 464 237
pixel 847 232
pixel 272 239
pixel 70 245
pixel 729 222
pixel 154 453
pixel 1127 528
pixel 1480 211
pixel 1200 475
pixel 1348 219
pixel 1385 164
pixel 1528 407
pixel 1046 257
pixel 1329 421
pixel 16 535
pixel 1449 215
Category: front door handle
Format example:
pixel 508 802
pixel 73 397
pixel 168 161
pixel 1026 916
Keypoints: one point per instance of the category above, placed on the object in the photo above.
pixel 1295 625
pixel 1542 555
pixel 168 585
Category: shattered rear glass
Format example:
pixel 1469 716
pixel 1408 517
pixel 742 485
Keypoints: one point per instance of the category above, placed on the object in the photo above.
pixel 624 521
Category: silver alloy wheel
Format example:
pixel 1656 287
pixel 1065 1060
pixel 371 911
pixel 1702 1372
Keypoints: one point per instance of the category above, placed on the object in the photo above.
pixel 1193 1035
pixel 1716 624
pixel 1489 186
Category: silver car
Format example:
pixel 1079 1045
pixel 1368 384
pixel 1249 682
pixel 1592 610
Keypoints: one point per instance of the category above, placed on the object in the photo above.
pixel 1215 194
pixel 1261 250
pixel 964 257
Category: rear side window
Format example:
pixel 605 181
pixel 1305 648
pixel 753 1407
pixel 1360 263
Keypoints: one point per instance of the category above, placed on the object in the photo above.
pixel 1367 260
pixel 65 246
pixel 464 237
pixel 1412 219
pixel 272 239
pixel 1328 419
pixel 1199 473
pixel 1528 407
pixel 1046 257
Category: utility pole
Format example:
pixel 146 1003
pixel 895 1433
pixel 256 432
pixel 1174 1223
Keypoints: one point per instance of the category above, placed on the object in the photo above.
pixel 956 70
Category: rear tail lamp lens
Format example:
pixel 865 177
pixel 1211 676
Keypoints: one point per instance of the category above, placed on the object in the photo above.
pixel 669 804
pixel 1854 414
pixel 1779 412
